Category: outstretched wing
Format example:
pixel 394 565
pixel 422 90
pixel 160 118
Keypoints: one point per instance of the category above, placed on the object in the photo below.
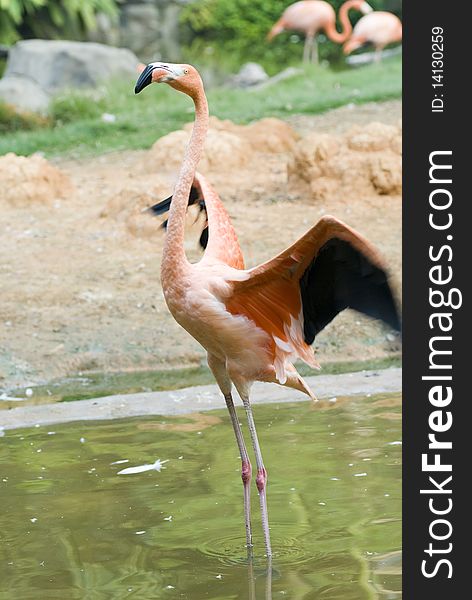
pixel 341 276
pixel 296 294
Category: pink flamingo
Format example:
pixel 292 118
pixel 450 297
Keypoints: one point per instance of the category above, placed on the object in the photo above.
pixel 378 28
pixel 311 16
pixel 254 323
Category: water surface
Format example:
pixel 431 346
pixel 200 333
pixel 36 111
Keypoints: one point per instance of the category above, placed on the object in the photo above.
pixel 72 527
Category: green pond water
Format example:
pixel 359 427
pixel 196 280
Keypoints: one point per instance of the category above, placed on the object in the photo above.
pixel 72 527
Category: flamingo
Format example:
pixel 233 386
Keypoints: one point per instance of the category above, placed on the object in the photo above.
pixel 254 323
pixel 310 16
pixel 379 28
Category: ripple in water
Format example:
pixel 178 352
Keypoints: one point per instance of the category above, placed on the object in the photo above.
pixel 287 550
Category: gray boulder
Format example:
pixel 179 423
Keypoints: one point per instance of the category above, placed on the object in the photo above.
pixel 55 65
pixel 287 73
pixel 140 29
pixel 24 94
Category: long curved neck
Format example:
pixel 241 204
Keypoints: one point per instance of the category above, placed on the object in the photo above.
pixel 330 29
pixel 174 258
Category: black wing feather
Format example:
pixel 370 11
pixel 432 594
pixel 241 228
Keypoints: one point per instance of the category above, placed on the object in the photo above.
pixel 194 197
pixel 203 241
pixel 341 277
pixel 161 207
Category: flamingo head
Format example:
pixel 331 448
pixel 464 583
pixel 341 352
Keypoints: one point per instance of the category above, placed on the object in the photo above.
pixel 183 78
pixel 351 45
pixel 364 7
pixel 276 29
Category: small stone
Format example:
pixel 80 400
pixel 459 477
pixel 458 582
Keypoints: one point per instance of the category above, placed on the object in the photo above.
pixel 108 118
pixel 250 74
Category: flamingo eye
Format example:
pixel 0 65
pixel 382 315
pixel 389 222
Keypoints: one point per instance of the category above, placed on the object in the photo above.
pixel 185 71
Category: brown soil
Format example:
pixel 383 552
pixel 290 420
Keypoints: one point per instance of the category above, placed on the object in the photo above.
pixel 366 158
pixel 80 275
pixel 25 181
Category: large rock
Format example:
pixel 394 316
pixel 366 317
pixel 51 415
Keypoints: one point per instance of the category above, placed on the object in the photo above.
pixel 140 28
pixel 24 94
pixel 55 65
pixel 150 28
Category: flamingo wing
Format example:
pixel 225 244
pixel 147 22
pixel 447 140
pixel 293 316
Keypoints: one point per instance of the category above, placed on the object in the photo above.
pixel 218 237
pixel 195 197
pixel 296 294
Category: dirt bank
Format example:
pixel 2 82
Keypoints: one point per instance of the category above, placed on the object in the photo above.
pixel 331 390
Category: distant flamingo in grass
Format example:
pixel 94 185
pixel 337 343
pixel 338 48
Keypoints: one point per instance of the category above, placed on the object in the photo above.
pixel 254 323
pixel 379 28
pixel 312 16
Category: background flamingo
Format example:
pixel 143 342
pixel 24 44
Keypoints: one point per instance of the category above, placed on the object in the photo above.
pixel 379 28
pixel 254 323
pixel 311 16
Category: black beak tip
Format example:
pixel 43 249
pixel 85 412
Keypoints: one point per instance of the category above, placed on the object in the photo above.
pixel 144 79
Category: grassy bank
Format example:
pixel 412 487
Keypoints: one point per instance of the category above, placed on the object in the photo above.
pixel 78 129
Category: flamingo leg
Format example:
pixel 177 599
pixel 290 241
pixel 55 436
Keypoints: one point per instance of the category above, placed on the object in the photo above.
pixel 307 47
pixel 268 589
pixel 218 369
pixel 261 478
pixel 251 580
pixel 314 52
pixel 246 470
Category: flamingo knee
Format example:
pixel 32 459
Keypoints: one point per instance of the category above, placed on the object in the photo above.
pixel 246 472
pixel 261 479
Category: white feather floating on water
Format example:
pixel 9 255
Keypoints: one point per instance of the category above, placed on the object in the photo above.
pixel 157 466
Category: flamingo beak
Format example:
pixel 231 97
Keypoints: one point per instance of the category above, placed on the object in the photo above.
pixel 153 72
pixel 366 8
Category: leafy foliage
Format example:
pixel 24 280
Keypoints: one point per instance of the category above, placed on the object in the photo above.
pixel 240 27
pixel 46 18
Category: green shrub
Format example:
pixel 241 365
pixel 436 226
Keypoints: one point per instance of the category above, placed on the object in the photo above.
pixel 74 106
pixel 50 18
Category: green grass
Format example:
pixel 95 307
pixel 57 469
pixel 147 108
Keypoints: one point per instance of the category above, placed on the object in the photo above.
pixel 13 120
pixel 95 385
pixel 140 120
